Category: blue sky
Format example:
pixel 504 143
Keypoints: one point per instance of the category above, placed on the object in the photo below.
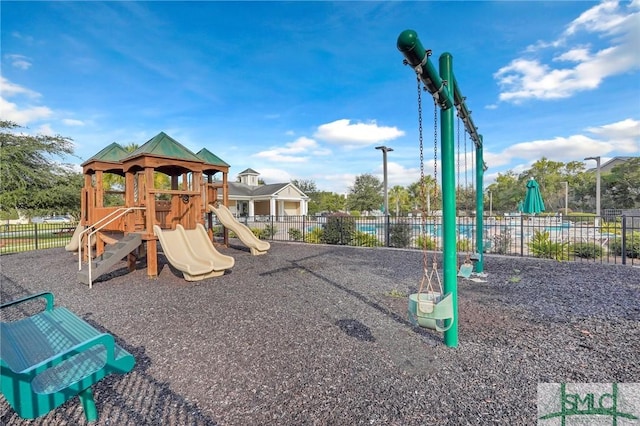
pixel 306 90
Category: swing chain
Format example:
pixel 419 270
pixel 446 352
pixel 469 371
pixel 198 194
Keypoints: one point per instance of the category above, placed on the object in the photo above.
pixel 435 147
pixel 420 132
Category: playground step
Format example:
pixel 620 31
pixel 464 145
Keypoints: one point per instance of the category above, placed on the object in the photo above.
pixel 113 254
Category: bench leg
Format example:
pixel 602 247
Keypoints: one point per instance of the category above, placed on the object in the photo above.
pixel 89 405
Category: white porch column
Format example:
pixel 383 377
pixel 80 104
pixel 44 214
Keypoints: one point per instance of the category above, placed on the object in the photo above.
pixel 304 207
pixel 251 208
pixel 272 207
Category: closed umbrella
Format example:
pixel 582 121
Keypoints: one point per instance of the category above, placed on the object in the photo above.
pixel 533 203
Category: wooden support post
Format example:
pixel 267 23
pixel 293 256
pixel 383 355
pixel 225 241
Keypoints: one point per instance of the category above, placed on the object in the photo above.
pixel 152 258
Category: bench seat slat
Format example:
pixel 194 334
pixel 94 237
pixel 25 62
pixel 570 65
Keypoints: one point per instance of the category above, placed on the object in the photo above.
pixel 38 338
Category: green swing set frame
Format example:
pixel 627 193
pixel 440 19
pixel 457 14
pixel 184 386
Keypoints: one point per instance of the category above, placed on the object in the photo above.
pixel 446 93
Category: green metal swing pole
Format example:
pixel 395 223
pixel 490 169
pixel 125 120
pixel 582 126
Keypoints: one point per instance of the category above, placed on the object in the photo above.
pixel 480 168
pixel 444 87
pixel 450 252
pixel 416 56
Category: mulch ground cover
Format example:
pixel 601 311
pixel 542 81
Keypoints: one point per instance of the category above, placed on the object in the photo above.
pixel 314 334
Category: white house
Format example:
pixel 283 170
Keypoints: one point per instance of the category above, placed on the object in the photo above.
pixel 247 198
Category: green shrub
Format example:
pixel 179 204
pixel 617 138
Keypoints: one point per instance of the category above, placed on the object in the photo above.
pixel 295 234
pixel 314 236
pixel 269 231
pixel 218 230
pixel 581 217
pixel 355 213
pixel 632 245
pixel 502 242
pixel 339 229
pixel 258 232
pixel 542 246
pixel 364 239
pixel 425 241
pixel 586 250
pixel 400 234
pixel 464 245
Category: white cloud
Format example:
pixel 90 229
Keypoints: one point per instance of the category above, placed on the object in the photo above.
pixel 19 114
pixel 72 122
pixel 19 61
pixel 608 139
pixel 623 135
pixel 579 54
pixel 274 175
pixel 9 89
pixel 357 134
pixel 22 116
pixel 45 129
pixel 297 151
pixel 608 22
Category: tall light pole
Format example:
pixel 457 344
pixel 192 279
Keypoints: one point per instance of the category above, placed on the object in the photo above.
pixel 384 150
pixel 597 160
pixel 490 203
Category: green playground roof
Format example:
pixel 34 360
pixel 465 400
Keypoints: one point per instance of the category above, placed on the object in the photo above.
pixel 210 158
pixel 113 153
pixel 163 145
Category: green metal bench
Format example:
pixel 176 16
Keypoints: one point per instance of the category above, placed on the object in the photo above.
pixel 52 356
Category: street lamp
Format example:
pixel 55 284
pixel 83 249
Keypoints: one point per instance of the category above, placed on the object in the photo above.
pixel 597 160
pixel 384 171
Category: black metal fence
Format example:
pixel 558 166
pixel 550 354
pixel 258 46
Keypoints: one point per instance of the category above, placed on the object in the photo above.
pixel 575 238
pixel 34 236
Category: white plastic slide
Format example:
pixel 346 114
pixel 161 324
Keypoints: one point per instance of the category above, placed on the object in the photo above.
pixel 203 248
pixel 247 237
pixel 180 254
pixel 74 244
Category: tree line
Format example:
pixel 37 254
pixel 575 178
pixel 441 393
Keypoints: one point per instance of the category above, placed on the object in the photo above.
pixel 33 181
pixel 620 189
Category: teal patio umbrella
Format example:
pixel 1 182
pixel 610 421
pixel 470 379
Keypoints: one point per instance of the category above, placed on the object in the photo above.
pixel 533 203
pixel 520 207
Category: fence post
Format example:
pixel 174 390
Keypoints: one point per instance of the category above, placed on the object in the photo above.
pixel 272 228
pixel 35 234
pixel 386 230
pixel 521 235
pixel 623 249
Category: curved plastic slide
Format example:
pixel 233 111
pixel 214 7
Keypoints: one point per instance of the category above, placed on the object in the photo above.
pixel 247 237
pixel 74 244
pixel 203 248
pixel 180 254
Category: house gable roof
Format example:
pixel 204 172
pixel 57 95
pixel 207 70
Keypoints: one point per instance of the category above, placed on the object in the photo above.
pixel 242 190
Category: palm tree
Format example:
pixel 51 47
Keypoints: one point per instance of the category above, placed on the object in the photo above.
pixel 399 197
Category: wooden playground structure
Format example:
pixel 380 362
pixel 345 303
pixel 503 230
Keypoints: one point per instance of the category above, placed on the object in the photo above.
pixel 141 205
